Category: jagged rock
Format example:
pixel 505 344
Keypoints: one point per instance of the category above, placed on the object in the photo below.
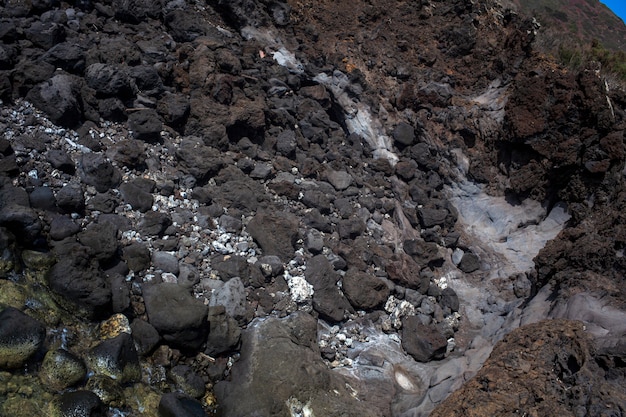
pixel 154 223
pixel 197 159
pixel 534 368
pixel 60 160
pixel 62 227
pixel 59 98
pixel 108 80
pixel 20 337
pixel 469 263
pixel 68 56
pixel 424 343
pixel 101 238
pixel 225 332
pixel 449 299
pixel 45 34
pixel 77 278
pixel 174 109
pixel 95 170
pixel 138 199
pixel 176 314
pixel 364 291
pixel 276 233
pixel 145 125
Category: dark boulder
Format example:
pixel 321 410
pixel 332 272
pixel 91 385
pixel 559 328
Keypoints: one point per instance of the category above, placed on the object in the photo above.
pixel 101 238
pixel 67 56
pixel 62 227
pixel 469 263
pixel 146 337
pixel 145 125
pixel 187 381
pixel 224 333
pixel 197 159
pixel 180 318
pixel 276 233
pixel 137 198
pixel 108 80
pixel 184 25
pixel 45 34
pixel 180 405
pixel 20 337
pixel 116 358
pixel 423 343
pixel 95 170
pixel 404 134
pixel 80 404
pixel 363 290
pixel 77 278
pixel 174 109
pixel 59 159
pixel 59 98
pixel 137 256
pixel 71 198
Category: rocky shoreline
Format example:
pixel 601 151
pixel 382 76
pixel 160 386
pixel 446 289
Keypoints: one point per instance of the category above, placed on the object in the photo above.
pixel 262 208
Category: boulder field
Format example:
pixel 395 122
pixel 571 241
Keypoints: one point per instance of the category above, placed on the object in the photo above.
pixel 299 208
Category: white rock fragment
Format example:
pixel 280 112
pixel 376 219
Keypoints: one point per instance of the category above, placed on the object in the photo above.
pixel 299 289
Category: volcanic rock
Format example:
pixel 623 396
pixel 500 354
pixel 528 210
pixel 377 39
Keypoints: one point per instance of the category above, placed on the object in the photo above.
pixel 20 337
pixel 176 314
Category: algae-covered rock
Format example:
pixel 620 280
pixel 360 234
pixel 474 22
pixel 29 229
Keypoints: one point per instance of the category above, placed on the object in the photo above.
pixel 41 261
pixel 107 389
pixel 114 326
pixel 20 337
pixel 61 369
pixel 77 404
pixel 11 294
pixel 116 358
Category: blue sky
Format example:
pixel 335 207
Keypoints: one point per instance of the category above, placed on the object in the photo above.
pixel 618 7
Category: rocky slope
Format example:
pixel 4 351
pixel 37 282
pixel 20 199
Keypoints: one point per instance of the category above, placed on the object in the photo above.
pixel 304 208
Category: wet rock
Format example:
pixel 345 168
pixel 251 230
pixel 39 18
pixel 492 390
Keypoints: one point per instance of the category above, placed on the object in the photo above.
pixel 77 278
pixel 61 369
pixel 59 98
pixel 275 233
pixel 224 333
pixel 116 358
pixel 80 404
pixel 138 198
pixel 423 343
pixel 95 170
pixel 20 337
pixel 187 381
pixel 107 389
pixel 120 292
pixel 145 125
pixel 180 318
pixel 364 291
pixel 180 405
pixel 146 337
